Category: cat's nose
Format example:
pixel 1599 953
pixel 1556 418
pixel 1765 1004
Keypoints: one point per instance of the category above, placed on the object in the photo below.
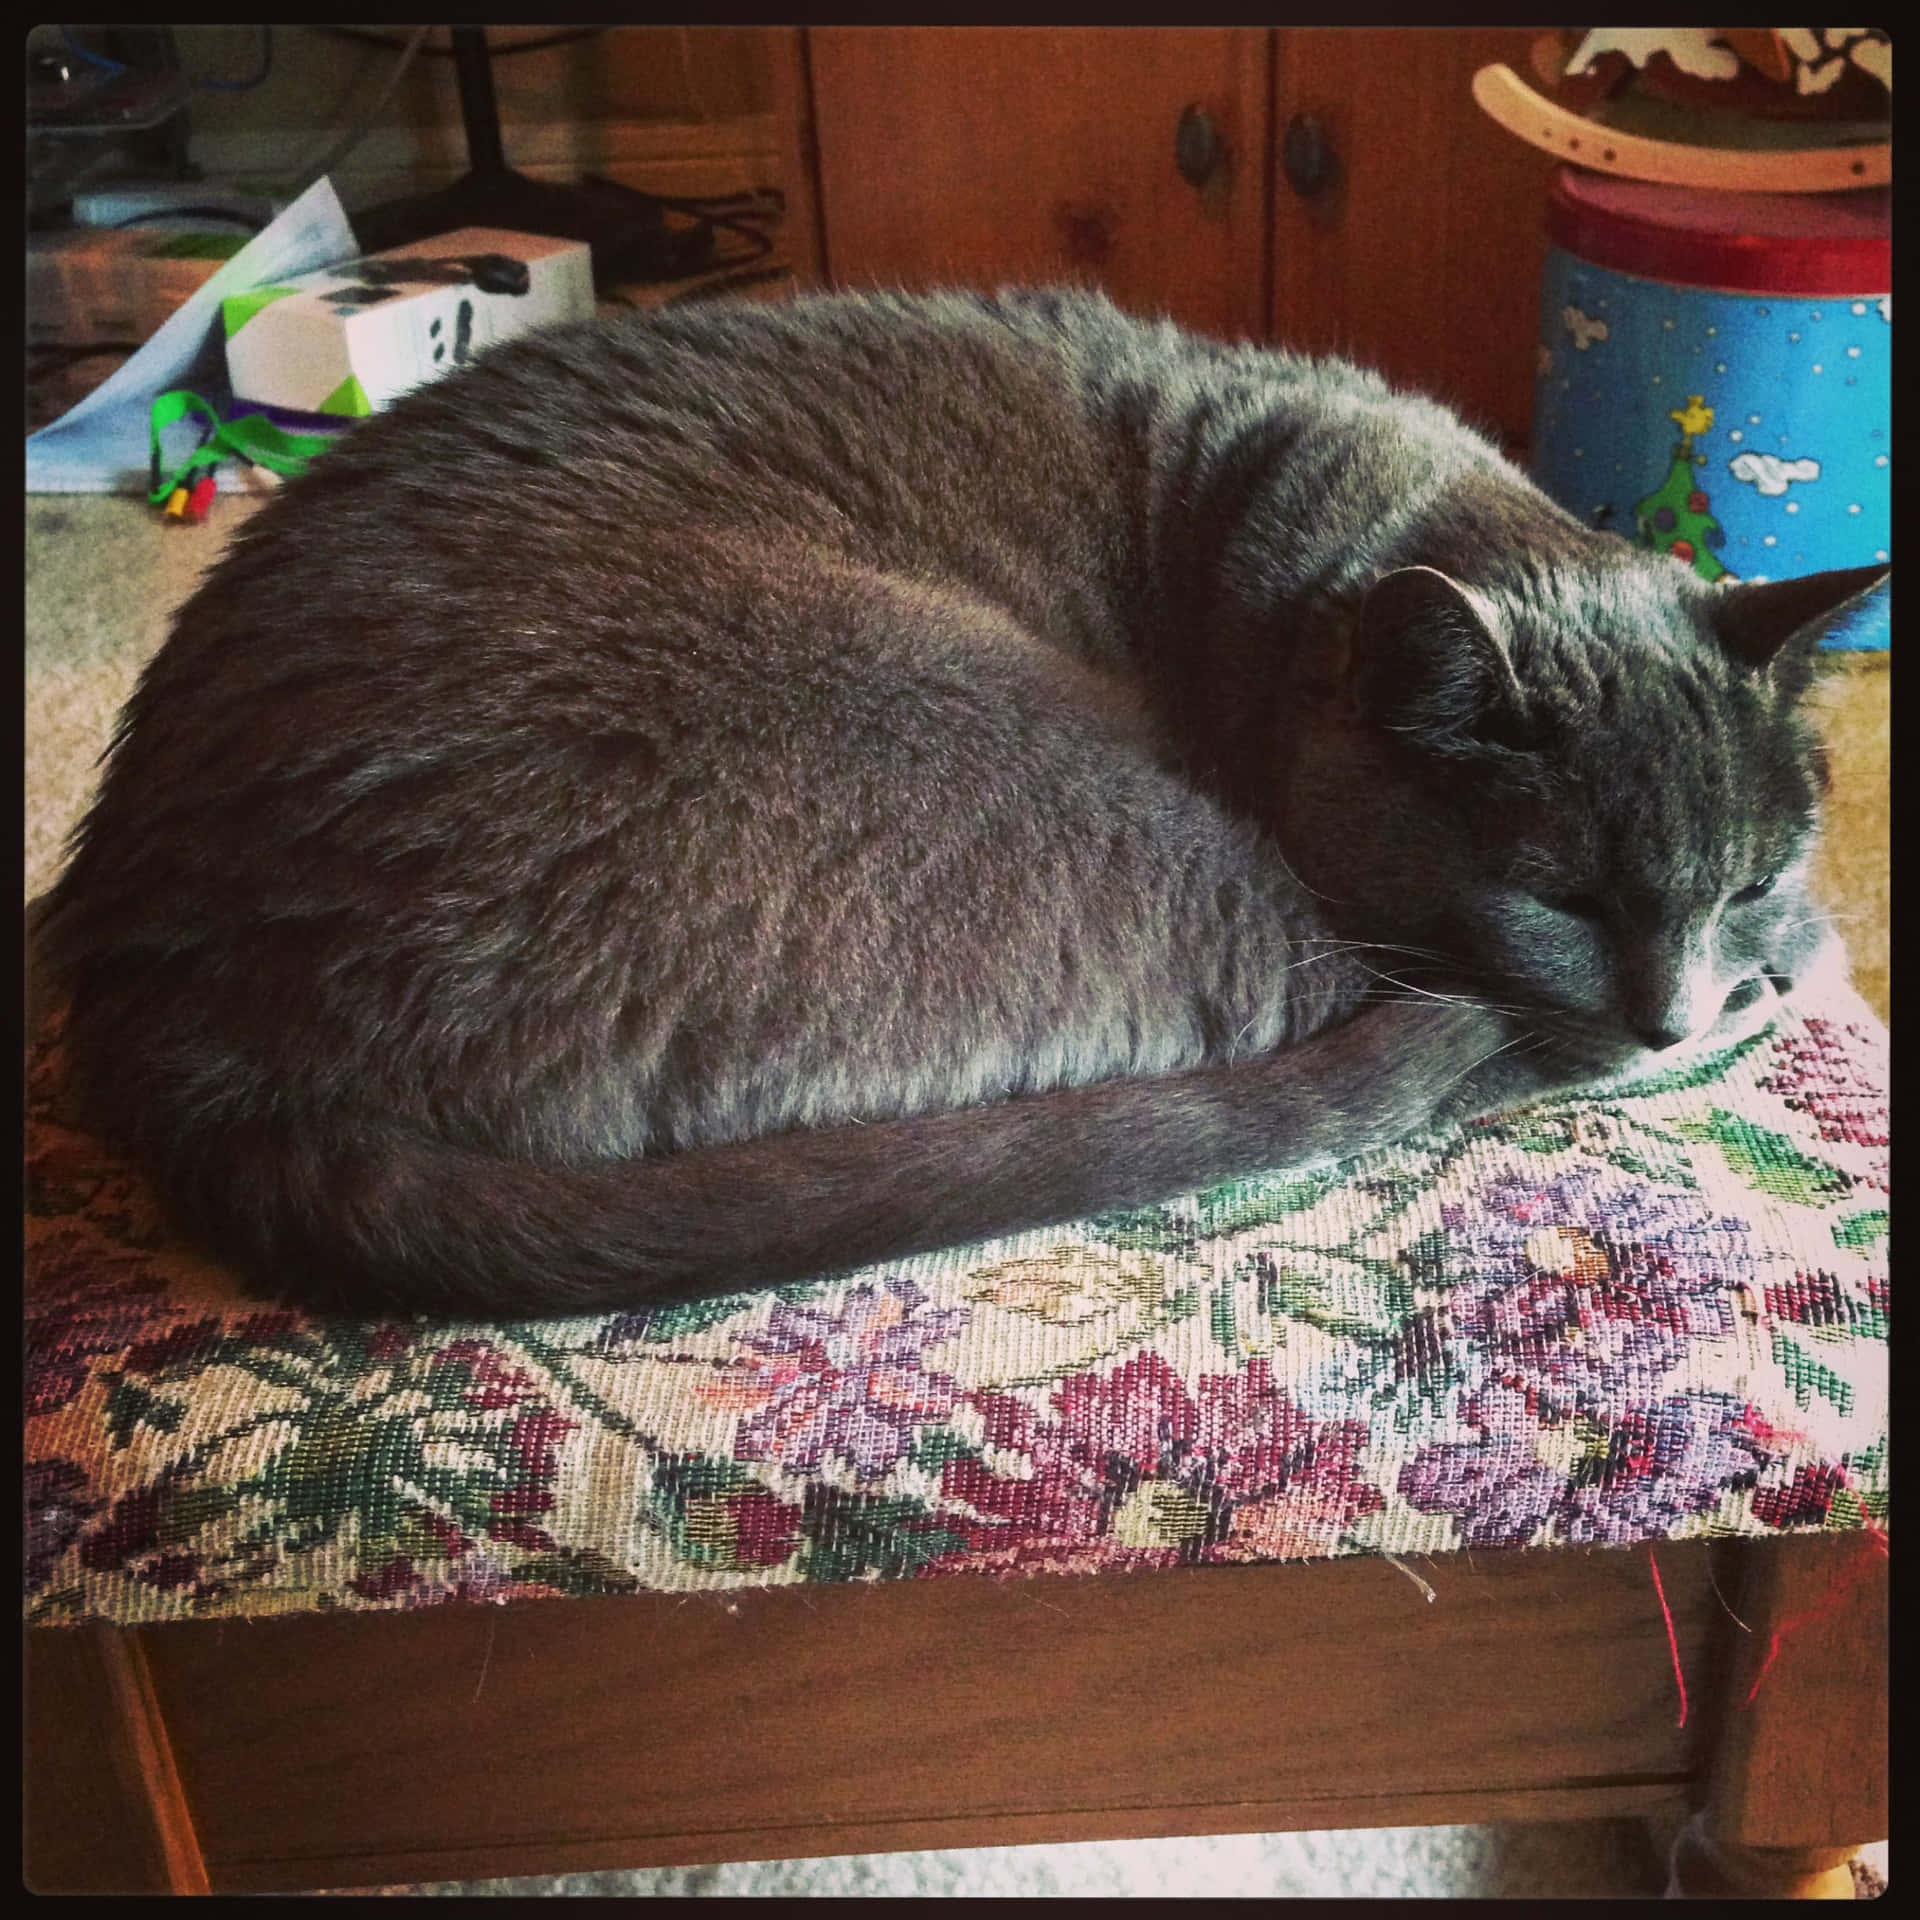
pixel 1659 1039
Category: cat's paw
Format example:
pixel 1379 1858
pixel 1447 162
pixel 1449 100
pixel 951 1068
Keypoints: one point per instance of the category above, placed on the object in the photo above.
pixel 1512 1066
pixel 1442 1062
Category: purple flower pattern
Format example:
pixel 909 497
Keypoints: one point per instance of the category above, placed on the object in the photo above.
pixel 1658 1466
pixel 1583 1289
pixel 845 1380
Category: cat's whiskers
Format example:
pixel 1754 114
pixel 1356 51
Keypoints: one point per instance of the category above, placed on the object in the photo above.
pixel 1409 994
pixel 1819 920
pixel 1233 1052
pixel 1337 943
pixel 1329 952
pixel 1493 1053
pixel 1418 997
pixel 1286 866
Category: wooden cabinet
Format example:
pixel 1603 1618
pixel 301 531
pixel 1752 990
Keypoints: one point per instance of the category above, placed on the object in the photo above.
pixel 988 155
pixel 1424 258
pixel 979 155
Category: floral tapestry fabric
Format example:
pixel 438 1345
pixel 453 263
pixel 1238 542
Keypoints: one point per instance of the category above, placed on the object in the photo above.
pixel 1653 1311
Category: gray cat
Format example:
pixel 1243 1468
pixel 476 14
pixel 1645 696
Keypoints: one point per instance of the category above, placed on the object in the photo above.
pixel 728 795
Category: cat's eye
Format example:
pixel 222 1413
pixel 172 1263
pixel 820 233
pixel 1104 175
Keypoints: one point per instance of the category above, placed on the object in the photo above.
pixel 1758 891
pixel 1583 906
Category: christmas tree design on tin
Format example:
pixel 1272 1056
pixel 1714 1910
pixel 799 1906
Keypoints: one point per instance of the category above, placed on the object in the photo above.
pixel 1677 517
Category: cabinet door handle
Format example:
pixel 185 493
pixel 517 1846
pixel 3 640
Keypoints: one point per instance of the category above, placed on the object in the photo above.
pixel 1198 149
pixel 1307 156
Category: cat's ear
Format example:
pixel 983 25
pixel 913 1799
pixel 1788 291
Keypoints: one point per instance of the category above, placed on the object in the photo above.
pixel 1429 663
pixel 1760 622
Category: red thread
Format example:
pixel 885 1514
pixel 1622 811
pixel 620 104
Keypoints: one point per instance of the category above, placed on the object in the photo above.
pixel 1838 1587
pixel 1673 1639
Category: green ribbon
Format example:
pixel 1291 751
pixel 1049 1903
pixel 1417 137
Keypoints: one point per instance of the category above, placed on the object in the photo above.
pixel 250 438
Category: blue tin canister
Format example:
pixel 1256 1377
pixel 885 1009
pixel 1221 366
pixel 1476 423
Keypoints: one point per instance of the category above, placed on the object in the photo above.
pixel 1713 374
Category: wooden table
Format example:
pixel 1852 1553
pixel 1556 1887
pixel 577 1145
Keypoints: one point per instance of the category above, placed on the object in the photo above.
pixel 574 1735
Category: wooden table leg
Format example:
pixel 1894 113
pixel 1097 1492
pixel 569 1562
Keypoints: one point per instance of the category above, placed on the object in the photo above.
pixel 1703 1868
pixel 1798 1780
pixel 104 1808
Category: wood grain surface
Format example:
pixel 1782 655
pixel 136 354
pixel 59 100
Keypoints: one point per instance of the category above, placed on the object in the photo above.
pixel 988 156
pixel 660 1729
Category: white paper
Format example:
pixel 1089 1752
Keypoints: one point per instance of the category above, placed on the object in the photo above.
pixel 101 445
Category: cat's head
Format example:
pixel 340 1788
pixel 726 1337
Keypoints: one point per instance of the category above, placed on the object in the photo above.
pixel 1592 794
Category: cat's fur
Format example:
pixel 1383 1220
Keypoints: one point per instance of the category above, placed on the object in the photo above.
pixel 717 797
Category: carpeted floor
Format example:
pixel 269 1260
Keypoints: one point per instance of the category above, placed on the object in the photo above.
pixel 103 576
pixel 1582 1860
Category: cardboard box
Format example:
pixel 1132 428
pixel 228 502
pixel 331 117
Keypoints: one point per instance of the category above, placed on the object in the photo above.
pixel 92 285
pixel 350 340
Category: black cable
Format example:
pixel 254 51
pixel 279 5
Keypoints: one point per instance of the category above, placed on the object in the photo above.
pixel 723 283
pixel 246 86
pixel 733 213
pixel 97 60
pixel 761 243
pixel 734 206
pixel 338 149
pixel 102 64
pixel 562 39
pixel 772 197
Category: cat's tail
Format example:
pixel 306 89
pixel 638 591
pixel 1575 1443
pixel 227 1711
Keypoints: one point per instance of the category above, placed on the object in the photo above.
pixel 403 1222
